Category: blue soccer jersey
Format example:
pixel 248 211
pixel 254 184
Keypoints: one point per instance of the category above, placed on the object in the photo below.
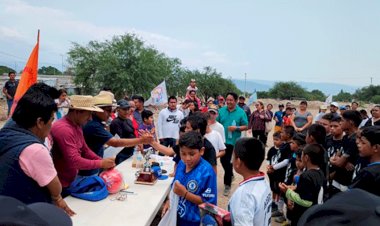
pixel 200 181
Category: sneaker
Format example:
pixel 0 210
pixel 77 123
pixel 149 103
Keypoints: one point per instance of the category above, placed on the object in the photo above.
pixel 227 190
pixel 277 213
pixel 280 219
pixel 274 207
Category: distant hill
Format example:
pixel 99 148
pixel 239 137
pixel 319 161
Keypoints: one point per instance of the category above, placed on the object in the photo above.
pixel 326 88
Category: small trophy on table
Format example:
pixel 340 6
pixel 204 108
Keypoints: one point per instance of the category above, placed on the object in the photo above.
pixel 146 175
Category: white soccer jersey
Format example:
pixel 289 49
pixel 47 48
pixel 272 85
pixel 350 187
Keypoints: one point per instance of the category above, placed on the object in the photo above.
pixel 251 203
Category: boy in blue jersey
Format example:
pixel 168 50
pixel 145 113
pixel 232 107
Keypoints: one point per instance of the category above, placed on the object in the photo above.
pixel 195 180
pixel 251 203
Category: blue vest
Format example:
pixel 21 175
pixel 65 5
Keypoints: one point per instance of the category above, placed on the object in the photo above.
pixel 13 181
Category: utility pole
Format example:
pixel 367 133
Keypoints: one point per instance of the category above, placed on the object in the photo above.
pixel 371 80
pixel 245 84
pixel 62 62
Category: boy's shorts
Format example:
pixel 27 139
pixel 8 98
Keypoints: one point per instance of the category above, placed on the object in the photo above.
pixel 274 185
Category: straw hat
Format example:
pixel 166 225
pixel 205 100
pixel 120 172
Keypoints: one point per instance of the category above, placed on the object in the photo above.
pixel 86 103
pixel 104 99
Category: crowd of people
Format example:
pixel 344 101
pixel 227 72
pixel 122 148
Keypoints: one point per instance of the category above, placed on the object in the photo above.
pixel 44 150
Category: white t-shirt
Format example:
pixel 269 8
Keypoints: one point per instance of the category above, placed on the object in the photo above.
pixel 220 129
pixel 168 123
pixel 251 203
pixel 216 140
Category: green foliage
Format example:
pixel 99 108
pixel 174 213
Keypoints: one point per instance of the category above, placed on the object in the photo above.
pixel 316 95
pixel 287 90
pixel 375 99
pixel 128 66
pixel 368 93
pixel 262 94
pixel 5 70
pixel 342 96
pixel 49 71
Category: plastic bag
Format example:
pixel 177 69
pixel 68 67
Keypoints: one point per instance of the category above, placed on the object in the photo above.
pixel 170 217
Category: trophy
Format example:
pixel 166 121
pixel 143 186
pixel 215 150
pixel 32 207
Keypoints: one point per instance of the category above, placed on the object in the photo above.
pixel 146 175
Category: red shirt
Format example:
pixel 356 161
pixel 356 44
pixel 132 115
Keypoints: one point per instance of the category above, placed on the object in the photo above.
pixel 70 151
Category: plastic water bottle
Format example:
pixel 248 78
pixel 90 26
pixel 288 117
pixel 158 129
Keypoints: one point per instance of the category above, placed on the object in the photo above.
pixel 140 160
pixel 229 132
pixel 134 158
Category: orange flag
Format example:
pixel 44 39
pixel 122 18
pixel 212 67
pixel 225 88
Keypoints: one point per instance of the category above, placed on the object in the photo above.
pixel 28 76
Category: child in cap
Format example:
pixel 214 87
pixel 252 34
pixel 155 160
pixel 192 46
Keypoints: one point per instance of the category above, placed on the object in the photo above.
pixel 272 159
pixel 369 147
pixel 251 202
pixel 194 182
pixel 310 187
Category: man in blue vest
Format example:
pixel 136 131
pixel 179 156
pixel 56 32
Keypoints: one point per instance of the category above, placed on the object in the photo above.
pixel 27 171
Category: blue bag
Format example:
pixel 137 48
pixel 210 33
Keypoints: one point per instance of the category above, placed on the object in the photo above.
pixel 91 188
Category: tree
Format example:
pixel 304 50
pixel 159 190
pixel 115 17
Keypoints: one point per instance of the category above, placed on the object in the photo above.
pixel 128 66
pixel 49 71
pixel 367 93
pixel 124 64
pixel 262 94
pixel 316 95
pixel 287 90
pixel 342 96
pixel 5 70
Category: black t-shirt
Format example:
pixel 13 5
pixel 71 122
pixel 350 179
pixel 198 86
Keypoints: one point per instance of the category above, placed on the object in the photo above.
pixel 124 128
pixel 369 179
pixel 308 187
pixel 369 123
pixel 350 149
pixel 283 153
pixel 271 152
pixel 291 170
pixel 209 153
pixel 11 88
pixel 332 148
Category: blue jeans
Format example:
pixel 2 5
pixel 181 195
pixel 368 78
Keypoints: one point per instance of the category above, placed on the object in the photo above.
pixel 9 102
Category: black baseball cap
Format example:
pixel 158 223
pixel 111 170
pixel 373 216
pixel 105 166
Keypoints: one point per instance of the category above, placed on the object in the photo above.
pixel 123 104
pixel 15 213
pixel 352 207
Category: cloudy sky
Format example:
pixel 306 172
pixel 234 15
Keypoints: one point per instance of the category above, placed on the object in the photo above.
pixel 281 40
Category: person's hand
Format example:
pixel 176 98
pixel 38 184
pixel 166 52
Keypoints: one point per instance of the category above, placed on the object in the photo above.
pixel 232 128
pixel 262 116
pixel 108 163
pixel 179 189
pixel 63 205
pixel 270 169
pixel 290 204
pixel 292 187
pixel 165 208
pixel 333 160
pixel 283 187
pixel 146 136
pixel 350 166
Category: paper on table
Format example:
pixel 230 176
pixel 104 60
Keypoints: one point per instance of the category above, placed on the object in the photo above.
pixel 112 151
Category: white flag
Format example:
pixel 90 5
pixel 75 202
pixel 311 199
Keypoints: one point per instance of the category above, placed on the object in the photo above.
pixel 328 100
pixel 158 95
pixel 252 98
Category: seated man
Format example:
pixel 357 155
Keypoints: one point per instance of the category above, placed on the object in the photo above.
pixel 70 151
